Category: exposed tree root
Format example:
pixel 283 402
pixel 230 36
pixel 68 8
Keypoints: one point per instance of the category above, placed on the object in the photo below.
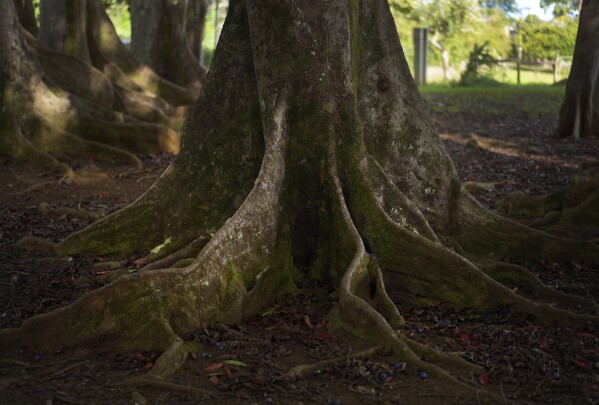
pixel 571 208
pixel 520 276
pixel 304 370
pixel 484 235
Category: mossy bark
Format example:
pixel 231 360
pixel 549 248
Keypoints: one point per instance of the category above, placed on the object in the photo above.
pixel 309 147
pixel 579 115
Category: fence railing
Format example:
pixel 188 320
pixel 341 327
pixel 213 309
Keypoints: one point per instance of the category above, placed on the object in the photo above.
pixel 557 64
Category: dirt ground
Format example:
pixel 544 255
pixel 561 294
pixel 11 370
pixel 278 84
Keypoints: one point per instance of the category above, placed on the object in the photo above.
pixel 523 361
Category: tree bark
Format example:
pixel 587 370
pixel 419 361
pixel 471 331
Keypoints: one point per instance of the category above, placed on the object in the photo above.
pixel 159 40
pixel 310 147
pixel 579 115
pixel 63 27
pixel 27 16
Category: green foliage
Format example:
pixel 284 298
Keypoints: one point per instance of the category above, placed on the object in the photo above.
pixel 562 8
pixel 540 39
pixel 509 6
pixel 118 11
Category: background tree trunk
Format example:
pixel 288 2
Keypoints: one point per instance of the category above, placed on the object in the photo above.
pixel 63 27
pixel 159 40
pixel 579 115
pixel 194 26
pixel 27 16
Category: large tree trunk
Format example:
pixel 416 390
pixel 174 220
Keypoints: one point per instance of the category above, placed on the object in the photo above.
pixel 159 40
pixel 579 115
pixel 310 147
pixel 41 121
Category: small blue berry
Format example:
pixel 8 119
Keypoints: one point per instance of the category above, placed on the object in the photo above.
pixel 555 375
pixel 422 374
pixel 398 365
pixel 267 357
pixel 37 357
pixel 578 306
pixel 419 330
pixel 268 400
pixel 382 376
pixel 206 355
pixel 335 401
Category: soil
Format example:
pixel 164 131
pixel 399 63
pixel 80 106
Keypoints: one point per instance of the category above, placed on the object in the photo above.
pixel 246 363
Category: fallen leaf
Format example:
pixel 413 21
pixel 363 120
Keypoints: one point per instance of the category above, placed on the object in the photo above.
pixel 464 337
pixel 139 356
pixel 452 342
pixel 582 364
pixel 228 371
pixel 544 345
pixel 308 322
pixel 323 335
pixel 213 379
pixel 149 366
pixel 484 378
pixel 235 363
pixel 140 262
pixel 321 325
pixel 586 335
pixel 213 367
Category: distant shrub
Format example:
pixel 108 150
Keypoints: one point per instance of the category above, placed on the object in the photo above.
pixel 540 39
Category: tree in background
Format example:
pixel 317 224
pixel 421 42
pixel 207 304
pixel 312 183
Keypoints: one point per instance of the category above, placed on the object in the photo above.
pixel 59 105
pixel 579 115
pixel 159 38
pixel 541 39
pixel 309 150
pixel 563 7
pixel 455 27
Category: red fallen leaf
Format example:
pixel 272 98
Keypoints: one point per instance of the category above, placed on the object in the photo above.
pixel 139 356
pixel 141 261
pixel 149 366
pixel 228 371
pixel 586 335
pixel 101 273
pixel 515 289
pixel 321 325
pixel 544 345
pixel 582 364
pixel 120 199
pixel 484 378
pixel 213 367
pixel 323 335
pixel 213 379
pixel 464 337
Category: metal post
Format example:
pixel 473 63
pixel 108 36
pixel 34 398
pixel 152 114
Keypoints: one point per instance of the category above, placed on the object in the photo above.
pixel 420 36
pixel 519 64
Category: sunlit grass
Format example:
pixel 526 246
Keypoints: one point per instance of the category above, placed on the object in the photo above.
pixel 493 101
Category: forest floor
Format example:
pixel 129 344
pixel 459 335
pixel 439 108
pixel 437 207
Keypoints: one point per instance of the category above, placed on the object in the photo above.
pixel 504 143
